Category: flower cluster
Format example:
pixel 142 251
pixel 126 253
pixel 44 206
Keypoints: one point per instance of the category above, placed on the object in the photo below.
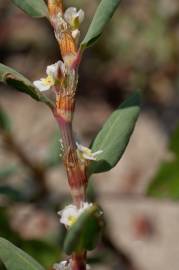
pixel 69 22
pixel 55 74
pixel 85 154
pixel 70 213
pixel 71 19
pixel 74 18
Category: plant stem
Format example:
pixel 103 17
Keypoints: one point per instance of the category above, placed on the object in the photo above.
pixel 75 171
pixel 77 178
pixel 79 261
pixel 63 113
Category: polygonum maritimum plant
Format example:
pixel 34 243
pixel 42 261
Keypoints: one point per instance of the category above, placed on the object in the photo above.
pixel 83 220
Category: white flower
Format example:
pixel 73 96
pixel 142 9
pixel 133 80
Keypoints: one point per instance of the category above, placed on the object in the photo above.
pixel 64 265
pixel 84 153
pixel 52 71
pixel 74 17
pixel 70 213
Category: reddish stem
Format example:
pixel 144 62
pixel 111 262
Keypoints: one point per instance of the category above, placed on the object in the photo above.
pixel 63 114
pixel 77 60
pixel 75 171
pixel 78 261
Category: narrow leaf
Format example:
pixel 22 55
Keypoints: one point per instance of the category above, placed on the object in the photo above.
pixel 113 138
pixel 84 234
pixel 22 84
pixel 48 250
pixel 15 259
pixel 103 14
pixel 34 8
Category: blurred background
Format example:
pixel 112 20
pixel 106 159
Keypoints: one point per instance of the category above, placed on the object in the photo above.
pixel 139 50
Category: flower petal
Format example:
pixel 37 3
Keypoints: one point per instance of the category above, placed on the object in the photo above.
pixel 68 212
pixel 70 14
pixel 76 34
pixel 74 17
pixel 86 153
pixel 80 147
pixel 41 86
pixel 81 15
pixel 52 70
pixel 89 157
pixel 98 152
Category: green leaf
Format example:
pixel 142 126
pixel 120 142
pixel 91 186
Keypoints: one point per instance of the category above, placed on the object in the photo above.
pixel 22 84
pixel 85 232
pixel 113 138
pixel 47 254
pixel 34 8
pixel 103 14
pixel 165 183
pixel 5 123
pixel 91 192
pixel 15 259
